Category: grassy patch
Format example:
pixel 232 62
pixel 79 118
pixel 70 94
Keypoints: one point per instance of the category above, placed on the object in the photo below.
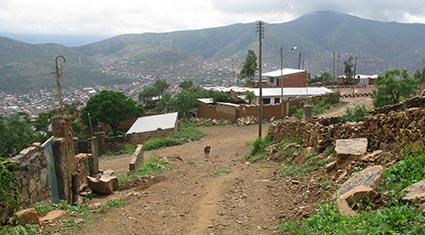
pixel 221 170
pixel 43 207
pixel 258 149
pixel 157 143
pixel 128 149
pixel 196 164
pixel 393 220
pixel 185 134
pixel 114 203
pixel 405 172
pixel 153 166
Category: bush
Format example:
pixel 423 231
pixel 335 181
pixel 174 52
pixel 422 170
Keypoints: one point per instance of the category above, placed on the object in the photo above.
pixel 157 143
pixel 189 132
pixel 258 149
pixel 356 114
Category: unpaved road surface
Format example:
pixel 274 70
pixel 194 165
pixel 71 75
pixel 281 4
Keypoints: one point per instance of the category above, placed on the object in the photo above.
pixel 221 194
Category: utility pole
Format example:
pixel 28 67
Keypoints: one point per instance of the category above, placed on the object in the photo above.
pixel 58 71
pixel 338 71
pixel 354 73
pixel 299 60
pixel 260 30
pixel 281 79
pixel 333 67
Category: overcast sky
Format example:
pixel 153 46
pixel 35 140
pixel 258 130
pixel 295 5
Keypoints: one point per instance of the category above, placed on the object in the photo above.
pixel 107 17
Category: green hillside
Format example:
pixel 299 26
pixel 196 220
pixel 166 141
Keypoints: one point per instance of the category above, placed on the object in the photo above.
pixel 120 59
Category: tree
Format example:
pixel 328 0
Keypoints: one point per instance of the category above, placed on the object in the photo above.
pixel 250 66
pixel 348 68
pixel 16 133
pixel 164 103
pixel 148 93
pixel 392 86
pixel 110 107
pixel 184 101
pixel 250 96
pixel 186 84
pixel 161 86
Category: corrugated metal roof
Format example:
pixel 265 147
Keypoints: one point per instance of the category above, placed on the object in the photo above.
pixel 293 91
pixel 285 71
pixel 152 123
pixel 272 92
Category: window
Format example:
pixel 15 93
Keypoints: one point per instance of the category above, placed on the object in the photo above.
pixel 266 101
pixel 276 100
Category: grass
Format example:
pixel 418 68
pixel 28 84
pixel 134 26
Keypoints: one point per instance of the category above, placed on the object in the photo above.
pixel 221 170
pixel 196 164
pixel 114 203
pixel 153 166
pixel 258 149
pixel 128 149
pixel 397 217
pixel 186 133
pixel 393 220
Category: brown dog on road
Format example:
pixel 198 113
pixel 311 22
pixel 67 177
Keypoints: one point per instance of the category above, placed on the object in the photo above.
pixel 207 150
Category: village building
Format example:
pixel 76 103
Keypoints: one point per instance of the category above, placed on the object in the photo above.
pixel 155 126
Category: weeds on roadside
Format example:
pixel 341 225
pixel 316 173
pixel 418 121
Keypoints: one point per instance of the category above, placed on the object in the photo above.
pixel 258 149
pixel 128 149
pixel 221 170
pixel 153 166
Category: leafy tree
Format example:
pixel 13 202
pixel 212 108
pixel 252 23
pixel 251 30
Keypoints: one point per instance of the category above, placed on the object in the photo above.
pixel 16 133
pixel 250 66
pixel 110 107
pixel 148 93
pixel 348 68
pixel 250 96
pixel 219 96
pixel 184 101
pixel 164 103
pixel 41 124
pixel 186 84
pixel 325 76
pixel 392 86
pixel 161 86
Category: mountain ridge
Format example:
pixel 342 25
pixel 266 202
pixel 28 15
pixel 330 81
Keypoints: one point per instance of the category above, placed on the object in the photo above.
pixel 211 55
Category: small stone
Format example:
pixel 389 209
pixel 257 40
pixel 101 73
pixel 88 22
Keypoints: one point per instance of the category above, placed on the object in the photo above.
pixel 27 216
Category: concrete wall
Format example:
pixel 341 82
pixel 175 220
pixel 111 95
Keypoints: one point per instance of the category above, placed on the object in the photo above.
pixel 139 138
pixel 216 111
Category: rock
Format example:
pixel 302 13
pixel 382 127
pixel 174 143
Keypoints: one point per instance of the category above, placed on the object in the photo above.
pixel 358 194
pixel 343 207
pixel 27 216
pixel 104 184
pixel 330 166
pixel 308 151
pixel 109 172
pixel 52 216
pixel 415 192
pixel 371 157
pixel 349 149
pixel 370 177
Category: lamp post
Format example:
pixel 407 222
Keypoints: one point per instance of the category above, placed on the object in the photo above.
pixel 281 75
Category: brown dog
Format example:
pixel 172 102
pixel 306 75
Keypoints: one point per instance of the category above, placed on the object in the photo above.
pixel 207 150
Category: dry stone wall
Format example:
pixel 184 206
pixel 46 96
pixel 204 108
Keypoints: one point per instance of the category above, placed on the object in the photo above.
pixel 386 130
pixel 32 175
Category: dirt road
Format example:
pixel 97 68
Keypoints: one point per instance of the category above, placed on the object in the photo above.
pixel 221 194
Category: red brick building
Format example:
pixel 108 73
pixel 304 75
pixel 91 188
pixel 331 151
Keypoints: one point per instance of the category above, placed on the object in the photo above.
pixel 286 78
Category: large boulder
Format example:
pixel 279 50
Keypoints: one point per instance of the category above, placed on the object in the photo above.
pixel 370 177
pixel 349 149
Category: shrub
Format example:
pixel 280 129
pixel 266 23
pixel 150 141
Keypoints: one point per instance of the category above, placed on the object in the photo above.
pixel 258 149
pixel 356 114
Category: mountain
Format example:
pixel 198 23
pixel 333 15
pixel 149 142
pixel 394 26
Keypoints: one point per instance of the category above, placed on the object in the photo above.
pixel 212 56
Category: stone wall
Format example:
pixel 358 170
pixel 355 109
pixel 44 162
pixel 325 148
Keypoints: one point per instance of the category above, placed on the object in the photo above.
pixel 384 131
pixel 32 175
pixel 136 159
pixel 83 165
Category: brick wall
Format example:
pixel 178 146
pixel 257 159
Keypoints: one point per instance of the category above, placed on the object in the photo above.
pixel 295 80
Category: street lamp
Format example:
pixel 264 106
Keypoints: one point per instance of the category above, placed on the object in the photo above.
pixel 281 74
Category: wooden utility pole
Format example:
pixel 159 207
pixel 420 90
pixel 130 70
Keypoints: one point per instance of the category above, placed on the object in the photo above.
pixel 333 67
pixel 299 60
pixel 354 74
pixel 338 71
pixel 260 30
pixel 281 80
pixel 58 71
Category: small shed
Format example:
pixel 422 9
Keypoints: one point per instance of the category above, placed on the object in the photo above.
pixel 155 126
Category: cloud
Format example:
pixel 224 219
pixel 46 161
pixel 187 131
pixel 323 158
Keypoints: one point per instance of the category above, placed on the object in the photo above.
pixel 108 17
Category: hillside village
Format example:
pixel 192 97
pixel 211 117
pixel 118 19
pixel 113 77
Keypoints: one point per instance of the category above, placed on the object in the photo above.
pixel 283 151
